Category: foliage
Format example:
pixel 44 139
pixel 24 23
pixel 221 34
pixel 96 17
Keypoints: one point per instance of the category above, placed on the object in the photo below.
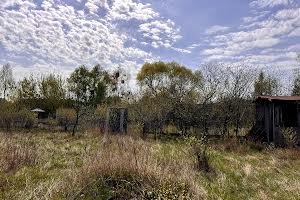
pixel 66 117
pixel 87 89
pixel 11 117
pixel 169 78
pixel 53 92
pixel 167 89
pixel 266 86
pixel 47 92
pixel 7 82
pixel 28 88
pixel 291 137
pixel 199 150
pixel 101 111
pixel 296 85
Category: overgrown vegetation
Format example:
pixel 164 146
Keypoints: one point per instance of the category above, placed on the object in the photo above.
pixel 169 152
pixel 56 166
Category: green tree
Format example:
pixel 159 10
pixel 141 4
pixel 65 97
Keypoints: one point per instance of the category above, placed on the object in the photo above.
pixel 27 92
pixel 152 77
pixel 6 80
pixel 87 89
pixel 266 86
pixel 52 92
pixel 167 89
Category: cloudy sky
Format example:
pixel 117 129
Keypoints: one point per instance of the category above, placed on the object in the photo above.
pixel 38 36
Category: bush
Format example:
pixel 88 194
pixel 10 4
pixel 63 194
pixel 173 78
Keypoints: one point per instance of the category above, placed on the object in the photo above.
pixel 25 117
pixel 290 137
pixel 10 117
pixel 199 150
pixel 66 117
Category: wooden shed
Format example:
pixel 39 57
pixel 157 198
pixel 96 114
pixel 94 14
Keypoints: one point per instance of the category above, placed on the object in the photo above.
pixel 116 120
pixel 273 115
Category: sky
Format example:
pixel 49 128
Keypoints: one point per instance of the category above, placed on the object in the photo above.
pixel 46 36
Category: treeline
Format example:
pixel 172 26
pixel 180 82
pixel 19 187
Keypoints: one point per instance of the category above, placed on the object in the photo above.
pixel 167 96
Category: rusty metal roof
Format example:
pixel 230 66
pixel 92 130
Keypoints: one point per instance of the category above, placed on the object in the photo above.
pixel 279 98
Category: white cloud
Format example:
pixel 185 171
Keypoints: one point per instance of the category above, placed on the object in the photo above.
pixel 55 36
pixel 269 3
pixel 295 33
pixel 216 29
pixel 286 14
pixel 266 33
pixel 160 33
pixel 129 9
pixel 62 36
pixel 94 5
pixel 181 50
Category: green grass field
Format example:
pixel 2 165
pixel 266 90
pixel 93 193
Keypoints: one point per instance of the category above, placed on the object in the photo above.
pixel 44 165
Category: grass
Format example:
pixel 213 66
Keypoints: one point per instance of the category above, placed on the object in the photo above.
pixel 57 166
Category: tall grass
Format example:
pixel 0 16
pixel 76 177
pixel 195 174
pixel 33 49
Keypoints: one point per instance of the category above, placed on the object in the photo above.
pixel 89 166
pixel 16 155
pixel 127 168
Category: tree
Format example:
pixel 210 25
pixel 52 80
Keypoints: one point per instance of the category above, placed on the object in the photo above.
pixel 52 92
pixel 296 85
pixel 236 98
pixel 152 77
pixel 6 80
pixel 266 86
pixel 27 92
pixel 168 91
pixel 87 89
pixel 66 117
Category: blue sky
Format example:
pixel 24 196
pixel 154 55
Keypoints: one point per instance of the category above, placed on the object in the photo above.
pixel 42 36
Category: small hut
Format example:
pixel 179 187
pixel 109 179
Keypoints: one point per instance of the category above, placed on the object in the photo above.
pixel 41 115
pixel 273 114
pixel 116 120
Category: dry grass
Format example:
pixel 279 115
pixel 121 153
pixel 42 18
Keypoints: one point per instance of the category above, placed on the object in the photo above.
pixel 125 168
pixel 89 166
pixel 16 155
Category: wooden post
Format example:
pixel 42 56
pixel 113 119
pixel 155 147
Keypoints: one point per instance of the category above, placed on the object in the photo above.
pixel 122 111
pixel 116 124
pixel 274 139
pixel 107 121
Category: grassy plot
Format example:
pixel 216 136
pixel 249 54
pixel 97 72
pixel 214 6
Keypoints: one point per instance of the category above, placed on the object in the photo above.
pixel 57 166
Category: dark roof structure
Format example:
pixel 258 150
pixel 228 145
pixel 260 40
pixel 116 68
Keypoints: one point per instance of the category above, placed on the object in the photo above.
pixel 38 110
pixel 273 115
pixel 279 98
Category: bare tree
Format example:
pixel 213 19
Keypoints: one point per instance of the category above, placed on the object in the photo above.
pixel 6 80
pixel 238 90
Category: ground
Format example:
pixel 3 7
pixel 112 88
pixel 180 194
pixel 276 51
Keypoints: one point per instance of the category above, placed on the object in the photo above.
pixel 41 165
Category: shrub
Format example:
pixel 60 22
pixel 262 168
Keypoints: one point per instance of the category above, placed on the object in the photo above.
pixel 199 150
pixel 10 117
pixel 256 146
pixel 66 117
pixel 25 117
pixel 290 137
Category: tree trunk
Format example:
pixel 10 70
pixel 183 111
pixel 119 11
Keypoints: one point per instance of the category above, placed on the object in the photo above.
pixel 76 123
pixel 225 127
pixel 4 93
